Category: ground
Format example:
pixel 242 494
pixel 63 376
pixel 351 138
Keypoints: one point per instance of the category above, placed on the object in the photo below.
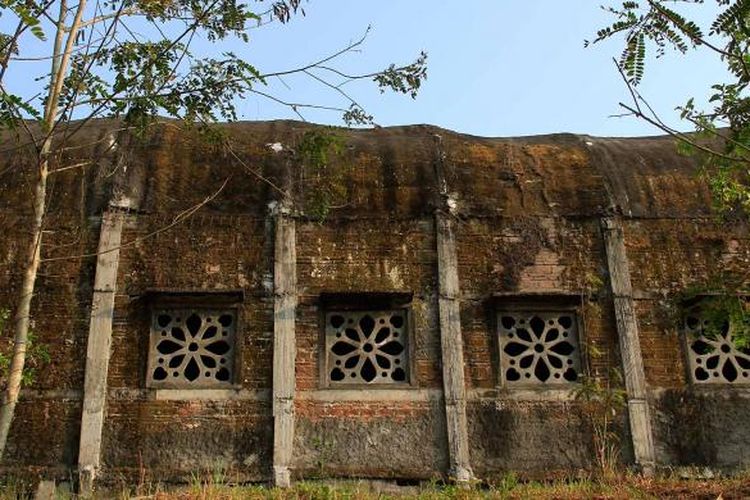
pixel 216 486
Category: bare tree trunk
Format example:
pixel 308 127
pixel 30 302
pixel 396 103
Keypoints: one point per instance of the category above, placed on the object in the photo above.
pixel 23 310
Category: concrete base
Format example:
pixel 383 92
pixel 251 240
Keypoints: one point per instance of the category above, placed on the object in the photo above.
pixel 86 482
pixel 46 490
pixel 463 475
pixel 282 477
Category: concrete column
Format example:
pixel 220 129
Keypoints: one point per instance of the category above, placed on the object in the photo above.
pixel 630 348
pixel 451 344
pixel 98 350
pixel 284 348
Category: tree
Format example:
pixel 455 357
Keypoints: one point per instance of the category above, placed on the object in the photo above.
pixel 134 60
pixel 722 138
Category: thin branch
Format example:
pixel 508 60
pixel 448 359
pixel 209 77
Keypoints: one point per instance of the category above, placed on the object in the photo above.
pixel 105 17
pixel 322 61
pixel 719 135
pixel 627 84
pixel 45 58
pixel 284 83
pixel 71 167
pixel 655 120
pixel 254 172
pixel 93 143
pixel 681 136
pixel 179 218
pixel 334 87
pixel 295 107
pixel 353 77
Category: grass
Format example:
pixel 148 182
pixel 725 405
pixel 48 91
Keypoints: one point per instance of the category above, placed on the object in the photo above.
pixel 625 487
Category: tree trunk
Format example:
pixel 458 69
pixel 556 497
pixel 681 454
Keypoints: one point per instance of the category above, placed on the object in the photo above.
pixel 23 310
pixel 60 60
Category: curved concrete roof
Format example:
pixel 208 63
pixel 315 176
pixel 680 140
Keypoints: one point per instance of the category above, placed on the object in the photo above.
pixel 387 171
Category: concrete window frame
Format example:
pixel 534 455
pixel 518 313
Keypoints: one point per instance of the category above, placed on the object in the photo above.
pixel 195 340
pixel 712 362
pixel 366 344
pixel 548 354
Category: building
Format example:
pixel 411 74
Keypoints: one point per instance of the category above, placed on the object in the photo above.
pixel 414 303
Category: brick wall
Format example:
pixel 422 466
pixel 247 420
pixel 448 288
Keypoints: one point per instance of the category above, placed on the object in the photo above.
pixel 527 222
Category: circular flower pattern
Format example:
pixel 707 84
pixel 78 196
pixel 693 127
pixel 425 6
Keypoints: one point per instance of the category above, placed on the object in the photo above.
pixel 192 347
pixel 716 359
pixel 366 347
pixel 539 347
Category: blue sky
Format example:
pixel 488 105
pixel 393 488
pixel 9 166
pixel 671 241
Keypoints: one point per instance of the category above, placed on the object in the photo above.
pixel 496 67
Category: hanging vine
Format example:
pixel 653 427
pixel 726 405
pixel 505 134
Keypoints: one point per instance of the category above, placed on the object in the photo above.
pixel 322 183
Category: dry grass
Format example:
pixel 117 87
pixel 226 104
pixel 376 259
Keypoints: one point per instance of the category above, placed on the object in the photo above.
pixel 626 487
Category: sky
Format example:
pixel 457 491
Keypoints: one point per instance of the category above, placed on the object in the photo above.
pixel 495 67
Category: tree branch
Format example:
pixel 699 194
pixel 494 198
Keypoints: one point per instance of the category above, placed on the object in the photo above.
pixel 179 218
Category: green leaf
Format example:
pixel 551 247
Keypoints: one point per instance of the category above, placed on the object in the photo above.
pixel 38 32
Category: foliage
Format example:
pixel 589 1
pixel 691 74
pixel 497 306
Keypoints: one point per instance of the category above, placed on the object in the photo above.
pixel 507 483
pixel 406 80
pixel 142 76
pixel 602 399
pixel 593 285
pixel 326 452
pixel 602 402
pixel 322 182
pixel 723 306
pixel 722 139
pixel 725 312
pixel 37 353
pixel 317 146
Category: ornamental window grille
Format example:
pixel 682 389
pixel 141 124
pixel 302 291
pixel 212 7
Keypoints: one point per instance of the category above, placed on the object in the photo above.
pixel 714 355
pixel 539 347
pixel 192 348
pixel 366 347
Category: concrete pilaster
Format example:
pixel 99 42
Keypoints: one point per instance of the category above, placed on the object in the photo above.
pixel 451 343
pixel 98 349
pixel 630 348
pixel 451 340
pixel 284 348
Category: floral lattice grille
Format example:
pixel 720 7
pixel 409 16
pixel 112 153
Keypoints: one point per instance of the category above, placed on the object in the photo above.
pixel 716 359
pixel 539 347
pixel 367 347
pixel 192 348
